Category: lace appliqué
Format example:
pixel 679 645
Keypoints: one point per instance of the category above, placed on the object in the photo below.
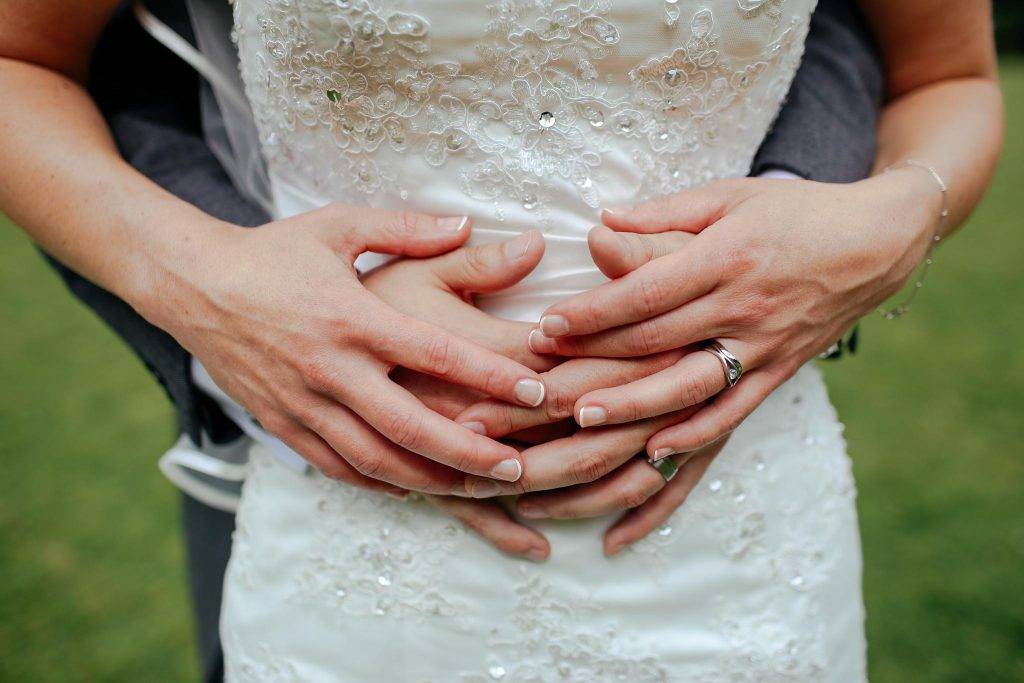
pixel 387 568
pixel 257 664
pixel 532 109
pixel 550 638
pixel 788 543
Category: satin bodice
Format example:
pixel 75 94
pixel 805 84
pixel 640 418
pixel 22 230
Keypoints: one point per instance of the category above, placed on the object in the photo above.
pixel 520 113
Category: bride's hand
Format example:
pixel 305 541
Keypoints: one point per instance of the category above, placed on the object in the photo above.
pixel 778 272
pixel 280 319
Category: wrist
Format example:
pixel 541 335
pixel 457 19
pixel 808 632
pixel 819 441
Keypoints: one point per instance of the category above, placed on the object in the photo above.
pixel 911 203
pixel 168 265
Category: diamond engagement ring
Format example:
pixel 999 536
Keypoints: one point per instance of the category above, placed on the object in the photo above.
pixel 730 363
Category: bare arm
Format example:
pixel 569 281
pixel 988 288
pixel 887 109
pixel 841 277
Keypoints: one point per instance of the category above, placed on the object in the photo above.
pixel 306 350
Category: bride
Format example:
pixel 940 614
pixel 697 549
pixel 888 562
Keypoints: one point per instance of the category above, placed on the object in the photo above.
pixel 525 119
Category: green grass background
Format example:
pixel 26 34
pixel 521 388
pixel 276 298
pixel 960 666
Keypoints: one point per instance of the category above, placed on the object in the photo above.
pixel 92 585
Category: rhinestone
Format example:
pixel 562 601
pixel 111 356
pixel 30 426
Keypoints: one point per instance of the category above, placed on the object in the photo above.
pixel 625 124
pixel 797 581
pixel 759 463
pixel 596 117
pixel 496 672
pixel 333 95
pixel 672 77
pixel 340 592
pixel 715 485
pixel 404 194
pixel 664 530
pixel 529 202
pixel 384 580
pixel 454 141
pixel 547 119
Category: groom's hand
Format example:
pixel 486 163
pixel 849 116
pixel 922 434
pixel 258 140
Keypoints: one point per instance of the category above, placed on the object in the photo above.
pixel 280 319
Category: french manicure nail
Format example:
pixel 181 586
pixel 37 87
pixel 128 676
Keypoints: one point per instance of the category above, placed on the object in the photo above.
pixel 539 343
pixel 475 426
pixel 395 495
pixel 532 512
pixel 517 248
pixel 554 325
pixel 536 555
pixel 508 470
pixel 591 416
pixel 453 223
pixel 615 549
pixel 663 453
pixel 530 392
pixel 483 488
pixel 617 210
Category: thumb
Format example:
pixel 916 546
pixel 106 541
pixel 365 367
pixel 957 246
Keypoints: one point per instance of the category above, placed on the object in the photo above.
pixel 356 229
pixel 618 253
pixel 689 210
pixel 490 267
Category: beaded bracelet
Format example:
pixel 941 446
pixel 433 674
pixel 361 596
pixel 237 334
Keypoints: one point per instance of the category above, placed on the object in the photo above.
pixel 901 309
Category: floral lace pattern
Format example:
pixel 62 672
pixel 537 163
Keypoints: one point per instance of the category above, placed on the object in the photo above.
pixel 533 107
pixel 389 568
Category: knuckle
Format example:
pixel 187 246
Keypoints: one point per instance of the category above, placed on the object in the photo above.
pixel 439 355
pixel 559 402
pixel 367 464
pixel 404 429
pixel 475 261
pixel 647 336
pixel 633 497
pixel 588 467
pixel 691 390
pixel 409 222
pixel 316 375
pixel 646 297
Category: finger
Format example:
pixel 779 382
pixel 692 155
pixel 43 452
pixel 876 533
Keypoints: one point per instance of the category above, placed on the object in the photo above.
pixel 401 418
pixel 691 210
pixel 623 489
pixel 355 229
pixel 493 523
pixel 618 253
pixel 718 418
pixel 651 289
pixel 695 378
pixel 327 460
pixel 490 267
pixel 584 457
pixel 564 385
pixel 638 523
pixel 429 349
pixel 358 447
pixel 704 318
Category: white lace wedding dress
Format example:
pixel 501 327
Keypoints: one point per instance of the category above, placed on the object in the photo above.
pixel 535 114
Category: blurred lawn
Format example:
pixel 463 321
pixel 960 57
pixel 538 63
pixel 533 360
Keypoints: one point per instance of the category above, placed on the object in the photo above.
pixel 93 586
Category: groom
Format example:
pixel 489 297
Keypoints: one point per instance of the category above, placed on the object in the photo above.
pixel 825 133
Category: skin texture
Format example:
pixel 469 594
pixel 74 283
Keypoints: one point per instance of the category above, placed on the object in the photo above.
pixel 777 270
pixel 766 271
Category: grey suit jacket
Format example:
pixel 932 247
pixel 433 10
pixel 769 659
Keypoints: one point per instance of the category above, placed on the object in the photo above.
pixel 825 132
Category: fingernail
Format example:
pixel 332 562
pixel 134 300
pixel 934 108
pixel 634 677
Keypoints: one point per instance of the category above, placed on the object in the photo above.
pixel 591 416
pixel 453 223
pixel 517 248
pixel 532 512
pixel 617 210
pixel 483 488
pixel 508 470
pixel 539 343
pixel 615 549
pixel 475 426
pixel 395 495
pixel 530 392
pixel 536 555
pixel 554 326
pixel 662 453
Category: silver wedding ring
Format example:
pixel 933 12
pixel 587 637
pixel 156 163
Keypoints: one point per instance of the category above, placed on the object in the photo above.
pixel 666 467
pixel 730 363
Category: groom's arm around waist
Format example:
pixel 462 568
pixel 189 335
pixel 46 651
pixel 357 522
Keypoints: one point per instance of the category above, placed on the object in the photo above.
pixel 826 130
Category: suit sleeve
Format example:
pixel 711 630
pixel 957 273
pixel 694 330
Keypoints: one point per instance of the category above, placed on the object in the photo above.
pixel 827 129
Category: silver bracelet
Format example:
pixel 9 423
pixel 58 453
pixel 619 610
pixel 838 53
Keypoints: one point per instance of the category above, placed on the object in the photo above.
pixel 901 309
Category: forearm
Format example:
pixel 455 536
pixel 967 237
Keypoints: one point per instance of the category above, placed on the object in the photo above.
pixel 955 126
pixel 64 182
